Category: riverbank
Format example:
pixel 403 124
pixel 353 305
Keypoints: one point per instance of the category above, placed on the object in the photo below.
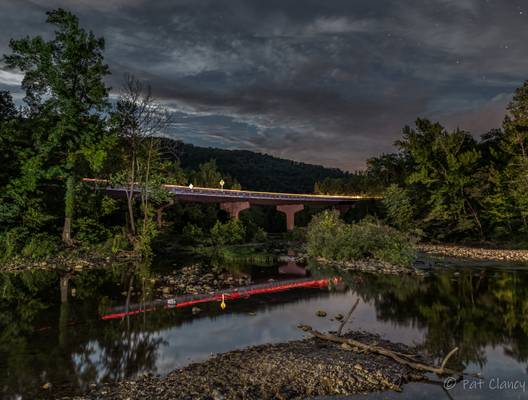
pixel 368 265
pixel 297 369
pixel 75 259
pixel 474 253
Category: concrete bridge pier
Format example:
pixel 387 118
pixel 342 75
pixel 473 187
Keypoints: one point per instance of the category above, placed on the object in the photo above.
pixel 290 210
pixel 233 208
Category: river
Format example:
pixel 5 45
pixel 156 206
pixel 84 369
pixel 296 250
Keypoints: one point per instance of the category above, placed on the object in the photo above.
pixel 66 346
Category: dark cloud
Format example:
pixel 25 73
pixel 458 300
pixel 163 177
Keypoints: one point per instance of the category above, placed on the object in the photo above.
pixel 327 82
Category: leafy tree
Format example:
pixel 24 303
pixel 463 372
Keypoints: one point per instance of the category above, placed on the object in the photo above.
pixel 63 80
pixel 516 146
pixel 7 106
pixel 443 174
pixel 399 208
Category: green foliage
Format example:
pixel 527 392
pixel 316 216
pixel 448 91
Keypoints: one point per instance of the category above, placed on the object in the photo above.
pixel 41 246
pixel 444 174
pixel 143 241
pixel 108 205
pixel 259 235
pixel 399 208
pixel 192 234
pixel 231 232
pixel 119 242
pixel 12 242
pixel 65 96
pixel 329 237
pixel 298 234
pixel 90 231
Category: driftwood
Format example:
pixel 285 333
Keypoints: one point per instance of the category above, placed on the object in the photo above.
pixel 345 320
pixel 401 358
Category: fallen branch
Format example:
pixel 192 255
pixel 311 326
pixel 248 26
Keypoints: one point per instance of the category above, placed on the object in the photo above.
pixel 398 357
pixel 345 320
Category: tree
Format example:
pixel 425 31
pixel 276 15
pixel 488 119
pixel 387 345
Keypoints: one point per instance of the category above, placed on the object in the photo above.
pixel 399 208
pixel 63 81
pixel 443 175
pixel 515 144
pixel 138 118
pixel 7 106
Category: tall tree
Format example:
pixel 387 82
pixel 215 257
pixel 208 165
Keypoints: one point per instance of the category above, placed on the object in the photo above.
pixel 7 106
pixel 64 83
pixel 515 144
pixel 138 118
pixel 443 177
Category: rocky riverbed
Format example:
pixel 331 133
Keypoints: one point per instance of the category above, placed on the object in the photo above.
pixel 475 253
pixel 293 370
pixel 195 279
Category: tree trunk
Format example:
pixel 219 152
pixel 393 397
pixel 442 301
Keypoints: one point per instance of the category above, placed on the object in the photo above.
pixel 69 202
pixel 159 217
pixel 130 198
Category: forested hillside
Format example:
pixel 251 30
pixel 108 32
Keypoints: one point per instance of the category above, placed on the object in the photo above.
pixel 256 171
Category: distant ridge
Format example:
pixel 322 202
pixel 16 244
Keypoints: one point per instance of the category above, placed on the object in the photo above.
pixel 257 171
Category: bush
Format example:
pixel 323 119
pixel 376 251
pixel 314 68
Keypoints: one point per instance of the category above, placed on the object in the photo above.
pixel 232 232
pixel 329 237
pixel 89 231
pixel 260 235
pixel 118 242
pixel 192 234
pixel 12 242
pixel 40 245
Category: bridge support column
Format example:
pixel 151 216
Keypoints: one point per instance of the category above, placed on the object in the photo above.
pixel 290 210
pixel 234 207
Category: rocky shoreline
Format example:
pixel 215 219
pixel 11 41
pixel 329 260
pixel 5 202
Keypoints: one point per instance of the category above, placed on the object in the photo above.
pixel 368 265
pixel 196 279
pixel 474 253
pixel 293 370
pixel 75 260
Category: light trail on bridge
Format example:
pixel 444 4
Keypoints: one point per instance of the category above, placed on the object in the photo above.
pixel 214 195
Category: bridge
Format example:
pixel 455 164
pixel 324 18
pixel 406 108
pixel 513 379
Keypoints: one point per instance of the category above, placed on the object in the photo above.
pixel 235 201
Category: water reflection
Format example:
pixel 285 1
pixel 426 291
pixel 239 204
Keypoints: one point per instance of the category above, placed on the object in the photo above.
pixel 48 335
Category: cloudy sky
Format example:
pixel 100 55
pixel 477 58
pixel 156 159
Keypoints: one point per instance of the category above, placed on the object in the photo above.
pixel 323 81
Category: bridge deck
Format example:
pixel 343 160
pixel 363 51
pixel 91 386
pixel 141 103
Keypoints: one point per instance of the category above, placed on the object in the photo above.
pixel 210 195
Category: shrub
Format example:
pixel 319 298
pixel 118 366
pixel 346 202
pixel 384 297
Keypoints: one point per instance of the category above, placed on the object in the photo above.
pixel 231 232
pixel 40 245
pixel 192 234
pixel 11 242
pixel 89 231
pixel 329 237
pixel 260 235
pixel 118 242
